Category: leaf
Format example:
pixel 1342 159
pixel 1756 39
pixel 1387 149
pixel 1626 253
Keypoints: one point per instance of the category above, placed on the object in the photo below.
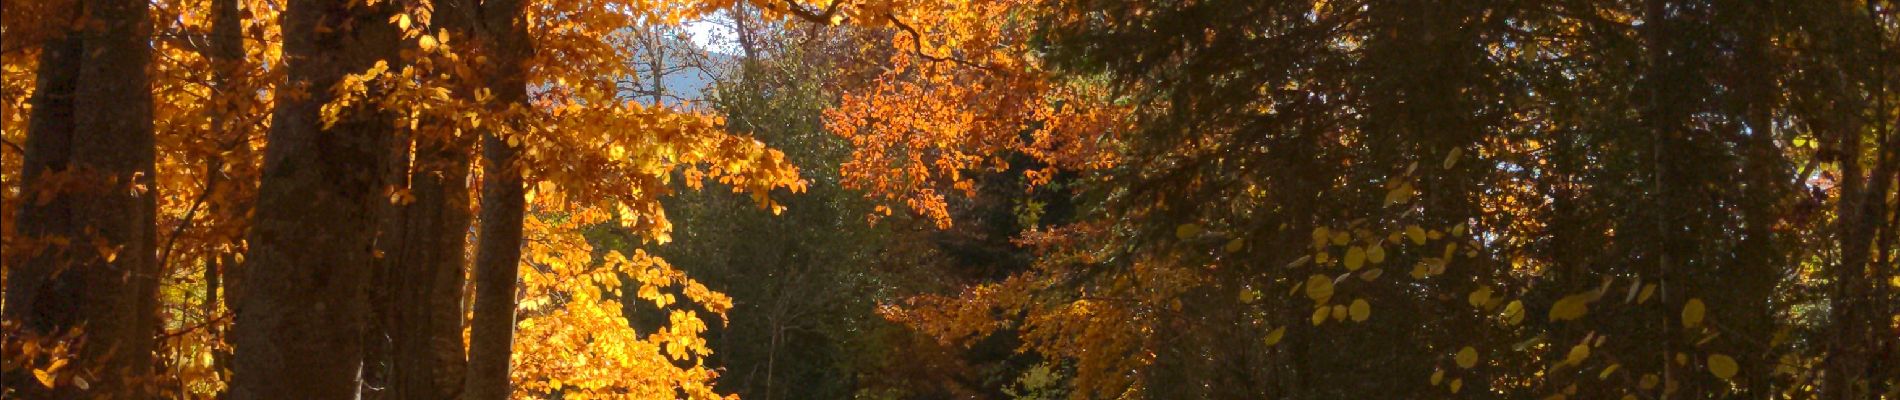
pixel 1607 371
pixel 1376 253
pixel 1479 297
pixel 1187 231
pixel 1355 258
pixel 1300 262
pixel 1570 307
pixel 1360 310
pixel 1438 376
pixel 1577 354
pixel 1320 313
pixel 1319 288
pixel 1452 158
pixel 1274 336
pixel 1693 312
pixel 1399 195
pixel 1722 366
pixel 1648 290
pixel 1514 312
pixel 1456 384
pixel 1466 357
pixel 1320 236
pixel 44 378
pixel 1339 312
pixel 1234 246
pixel 1416 233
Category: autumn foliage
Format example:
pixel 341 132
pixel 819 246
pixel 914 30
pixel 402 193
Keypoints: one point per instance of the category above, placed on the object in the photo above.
pixel 951 199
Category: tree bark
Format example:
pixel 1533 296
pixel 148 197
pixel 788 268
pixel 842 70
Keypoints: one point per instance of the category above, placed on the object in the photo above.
pixel 300 324
pixel 227 59
pixel 96 133
pixel 425 275
pixel 498 254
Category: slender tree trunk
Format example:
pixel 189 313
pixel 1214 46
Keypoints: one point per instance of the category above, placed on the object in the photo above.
pixel 498 254
pixel 300 324
pixel 96 131
pixel 227 58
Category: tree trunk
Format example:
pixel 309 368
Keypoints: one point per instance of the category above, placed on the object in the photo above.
pixel 300 323
pixel 96 131
pixel 498 254
pixel 44 213
pixel 227 59
pixel 378 362
pixel 425 275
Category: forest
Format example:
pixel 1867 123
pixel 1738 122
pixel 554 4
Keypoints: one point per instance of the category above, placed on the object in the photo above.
pixel 950 199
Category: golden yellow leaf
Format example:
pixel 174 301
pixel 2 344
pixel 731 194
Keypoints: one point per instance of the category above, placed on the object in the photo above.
pixel 1456 384
pixel 1693 312
pixel 1399 195
pixel 1360 310
pixel 1438 376
pixel 1320 313
pixel 1577 354
pixel 1479 297
pixel 1319 288
pixel 1514 312
pixel 1570 307
pixel 1187 231
pixel 1355 258
pixel 1274 336
pixel 44 378
pixel 1376 253
pixel 1722 366
pixel 1416 233
pixel 1466 357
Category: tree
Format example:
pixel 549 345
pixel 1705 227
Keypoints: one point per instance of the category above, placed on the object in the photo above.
pixel 88 270
pixel 498 254
pixel 299 326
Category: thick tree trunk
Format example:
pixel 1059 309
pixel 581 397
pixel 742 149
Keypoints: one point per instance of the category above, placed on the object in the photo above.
pixel 300 322
pixel 378 338
pixel 425 276
pixel 498 254
pixel 96 130
pixel 45 213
